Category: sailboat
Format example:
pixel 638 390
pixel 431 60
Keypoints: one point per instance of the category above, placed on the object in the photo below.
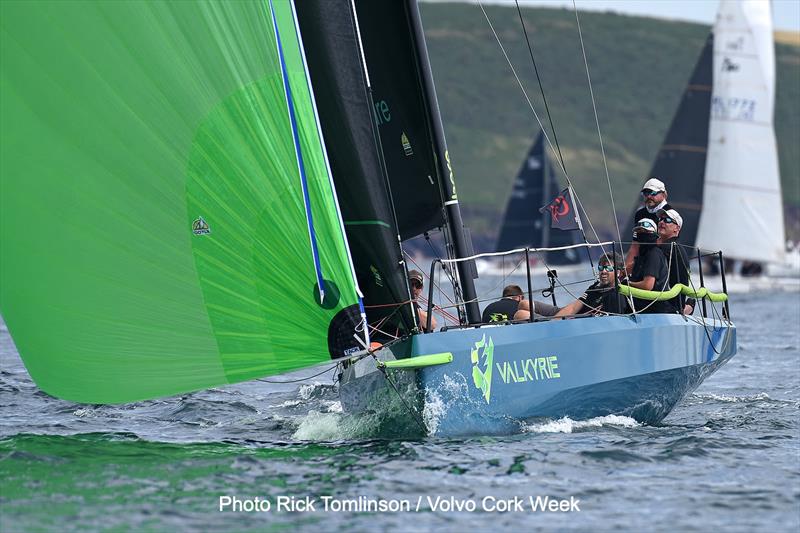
pixel 524 225
pixel 719 158
pixel 198 194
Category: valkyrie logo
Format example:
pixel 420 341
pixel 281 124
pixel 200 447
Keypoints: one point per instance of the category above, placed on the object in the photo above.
pixel 200 227
pixel 482 356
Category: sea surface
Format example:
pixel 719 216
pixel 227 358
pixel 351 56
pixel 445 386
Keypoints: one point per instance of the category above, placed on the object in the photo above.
pixel 727 458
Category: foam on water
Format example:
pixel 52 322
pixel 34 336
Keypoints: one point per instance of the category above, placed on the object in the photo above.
pixel 734 399
pixel 567 425
pixel 327 421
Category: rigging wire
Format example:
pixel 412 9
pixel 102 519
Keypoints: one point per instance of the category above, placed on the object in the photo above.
pixel 541 88
pixel 597 122
pixel 539 121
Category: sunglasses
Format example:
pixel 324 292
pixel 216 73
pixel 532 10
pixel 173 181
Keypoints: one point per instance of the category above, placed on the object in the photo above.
pixel 607 268
pixel 668 220
pixel 416 284
pixel 648 192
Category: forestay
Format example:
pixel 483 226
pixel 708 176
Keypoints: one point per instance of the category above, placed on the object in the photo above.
pixel 167 215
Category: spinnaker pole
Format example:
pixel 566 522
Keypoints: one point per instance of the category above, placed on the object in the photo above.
pixel 443 166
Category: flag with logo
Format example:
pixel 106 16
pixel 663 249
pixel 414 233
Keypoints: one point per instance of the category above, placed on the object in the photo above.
pixel 563 214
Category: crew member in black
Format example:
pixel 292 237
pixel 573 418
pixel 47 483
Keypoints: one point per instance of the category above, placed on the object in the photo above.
pixel 601 297
pixel 650 270
pixel 654 195
pixel 503 309
pixel 669 227
pixel 415 281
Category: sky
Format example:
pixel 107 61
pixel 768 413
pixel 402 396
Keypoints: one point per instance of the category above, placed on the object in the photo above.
pixel 786 13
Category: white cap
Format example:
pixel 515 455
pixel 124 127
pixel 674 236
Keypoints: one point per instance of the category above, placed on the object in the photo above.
pixel 674 215
pixel 655 184
pixel 647 225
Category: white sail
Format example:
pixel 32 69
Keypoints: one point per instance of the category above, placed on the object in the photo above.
pixel 743 209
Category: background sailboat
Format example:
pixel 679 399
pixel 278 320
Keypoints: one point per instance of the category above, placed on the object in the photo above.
pixel 525 225
pixel 719 159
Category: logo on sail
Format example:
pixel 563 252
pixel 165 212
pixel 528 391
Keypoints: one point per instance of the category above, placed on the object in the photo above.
pixel 200 227
pixel 482 355
pixel 534 163
pixel 376 274
pixel 406 145
pixel 729 66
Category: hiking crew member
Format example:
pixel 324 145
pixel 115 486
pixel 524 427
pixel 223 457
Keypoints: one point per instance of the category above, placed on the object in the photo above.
pixel 654 194
pixel 669 227
pixel 503 310
pixel 602 296
pixel 650 270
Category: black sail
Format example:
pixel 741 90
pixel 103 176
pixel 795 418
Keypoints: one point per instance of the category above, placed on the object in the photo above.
pixel 523 225
pixel 681 160
pixel 401 114
pixel 349 127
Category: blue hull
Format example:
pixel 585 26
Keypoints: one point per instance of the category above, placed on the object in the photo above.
pixel 503 375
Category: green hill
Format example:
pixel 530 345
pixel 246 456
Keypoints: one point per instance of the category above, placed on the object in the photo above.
pixel 639 68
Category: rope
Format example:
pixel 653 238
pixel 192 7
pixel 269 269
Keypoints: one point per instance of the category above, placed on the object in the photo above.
pixel 411 412
pixel 299 379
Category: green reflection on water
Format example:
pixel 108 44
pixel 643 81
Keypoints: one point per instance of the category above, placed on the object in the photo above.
pixel 119 481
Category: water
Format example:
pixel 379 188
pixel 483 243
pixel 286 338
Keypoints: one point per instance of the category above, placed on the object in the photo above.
pixel 728 457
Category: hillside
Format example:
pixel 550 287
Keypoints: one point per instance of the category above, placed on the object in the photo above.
pixel 639 68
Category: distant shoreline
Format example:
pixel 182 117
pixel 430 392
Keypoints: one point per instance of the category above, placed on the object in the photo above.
pixel 792 38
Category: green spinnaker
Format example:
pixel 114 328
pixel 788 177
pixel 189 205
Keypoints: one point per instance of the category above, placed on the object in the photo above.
pixel 124 124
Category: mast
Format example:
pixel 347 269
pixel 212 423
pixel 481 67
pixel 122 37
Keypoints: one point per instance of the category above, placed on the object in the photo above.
pixel 445 171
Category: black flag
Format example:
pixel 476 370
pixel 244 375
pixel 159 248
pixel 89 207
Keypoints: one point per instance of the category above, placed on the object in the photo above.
pixel 563 214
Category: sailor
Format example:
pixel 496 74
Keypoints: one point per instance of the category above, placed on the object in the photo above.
pixel 669 227
pixel 650 270
pixel 540 309
pixel 654 195
pixel 601 297
pixel 503 309
pixel 416 282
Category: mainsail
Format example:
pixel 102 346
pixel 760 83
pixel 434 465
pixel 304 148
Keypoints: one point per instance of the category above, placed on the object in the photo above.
pixel 377 120
pixel 168 220
pixel 523 224
pixel 745 217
